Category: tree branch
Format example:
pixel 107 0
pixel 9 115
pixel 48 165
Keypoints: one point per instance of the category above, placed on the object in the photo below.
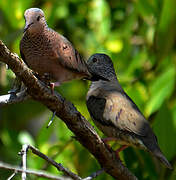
pixel 37 173
pixel 51 161
pixel 65 110
pixel 13 98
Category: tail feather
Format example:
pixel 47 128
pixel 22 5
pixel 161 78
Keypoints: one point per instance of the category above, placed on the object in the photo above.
pixel 151 144
pixel 162 159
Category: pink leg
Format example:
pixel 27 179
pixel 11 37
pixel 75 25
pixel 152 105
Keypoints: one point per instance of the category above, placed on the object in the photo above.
pixel 52 85
pixel 120 149
pixel 106 140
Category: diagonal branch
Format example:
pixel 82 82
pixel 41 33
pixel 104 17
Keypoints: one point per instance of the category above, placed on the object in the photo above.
pixel 65 110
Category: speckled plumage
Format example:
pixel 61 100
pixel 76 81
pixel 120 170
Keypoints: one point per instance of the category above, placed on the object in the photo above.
pixel 115 114
pixel 47 52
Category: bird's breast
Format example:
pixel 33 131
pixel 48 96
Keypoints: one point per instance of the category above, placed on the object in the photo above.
pixel 39 53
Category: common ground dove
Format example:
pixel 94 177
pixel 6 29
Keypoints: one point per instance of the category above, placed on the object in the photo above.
pixel 115 114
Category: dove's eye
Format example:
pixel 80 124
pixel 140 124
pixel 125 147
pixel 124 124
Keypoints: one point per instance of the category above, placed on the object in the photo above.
pixel 94 60
pixel 38 18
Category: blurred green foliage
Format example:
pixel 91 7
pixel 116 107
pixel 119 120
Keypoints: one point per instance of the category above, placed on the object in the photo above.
pixel 140 38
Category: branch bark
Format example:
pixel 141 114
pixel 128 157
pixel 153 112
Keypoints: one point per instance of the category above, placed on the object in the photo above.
pixel 65 110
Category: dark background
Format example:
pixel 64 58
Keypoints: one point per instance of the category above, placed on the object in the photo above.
pixel 140 38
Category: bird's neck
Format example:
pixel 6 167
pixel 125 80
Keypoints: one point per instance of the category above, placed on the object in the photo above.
pixel 114 83
pixel 36 32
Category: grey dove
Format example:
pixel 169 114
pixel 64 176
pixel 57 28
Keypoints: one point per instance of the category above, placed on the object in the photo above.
pixel 48 53
pixel 115 114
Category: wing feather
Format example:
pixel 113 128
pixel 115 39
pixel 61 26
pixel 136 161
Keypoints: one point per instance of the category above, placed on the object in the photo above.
pixel 124 114
pixel 69 57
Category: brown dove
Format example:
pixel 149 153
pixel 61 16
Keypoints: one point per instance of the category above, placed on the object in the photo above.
pixel 115 114
pixel 48 53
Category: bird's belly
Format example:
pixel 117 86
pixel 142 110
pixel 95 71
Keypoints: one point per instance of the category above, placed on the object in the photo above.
pixel 123 137
pixel 41 65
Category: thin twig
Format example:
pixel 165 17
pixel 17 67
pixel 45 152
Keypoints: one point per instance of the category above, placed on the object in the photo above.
pixel 13 98
pixel 52 118
pixel 54 163
pixel 24 160
pixel 30 171
pixel 94 175
pixel 45 166
pixel 9 178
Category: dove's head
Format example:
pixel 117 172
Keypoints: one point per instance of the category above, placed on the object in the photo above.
pixel 101 66
pixel 35 20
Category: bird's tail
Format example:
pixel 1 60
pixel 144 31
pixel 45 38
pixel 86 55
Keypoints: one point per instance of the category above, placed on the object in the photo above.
pixel 157 153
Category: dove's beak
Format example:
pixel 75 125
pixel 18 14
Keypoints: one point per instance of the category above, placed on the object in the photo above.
pixel 27 26
pixel 96 77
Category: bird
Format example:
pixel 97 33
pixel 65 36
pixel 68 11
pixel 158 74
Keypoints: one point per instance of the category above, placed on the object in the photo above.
pixel 49 54
pixel 114 112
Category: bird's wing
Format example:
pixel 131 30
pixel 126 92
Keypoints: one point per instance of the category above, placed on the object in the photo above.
pixel 69 57
pixel 121 111
pixel 96 107
pixel 23 57
pixel 21 51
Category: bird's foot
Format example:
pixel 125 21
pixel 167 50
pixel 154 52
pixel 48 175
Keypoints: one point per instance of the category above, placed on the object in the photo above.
pixel 52 85
pixel 44 78
pixel 106 140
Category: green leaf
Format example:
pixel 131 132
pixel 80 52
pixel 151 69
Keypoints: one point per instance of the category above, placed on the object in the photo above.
pixel 145 8
pixel 164 127
pixel 160 89
pixel 99 19
pixel 165 32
